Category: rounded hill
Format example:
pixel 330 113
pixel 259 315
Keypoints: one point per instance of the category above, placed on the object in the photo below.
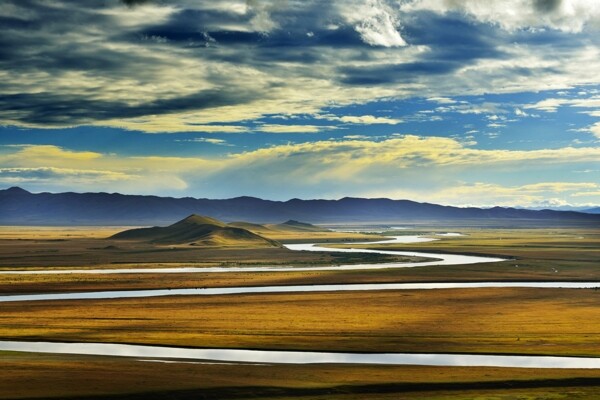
pixel 198 230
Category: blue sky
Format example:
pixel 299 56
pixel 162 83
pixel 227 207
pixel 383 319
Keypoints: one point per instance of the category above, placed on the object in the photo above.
pixel 464 103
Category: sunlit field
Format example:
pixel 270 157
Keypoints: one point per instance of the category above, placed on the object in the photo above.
pixel 525 321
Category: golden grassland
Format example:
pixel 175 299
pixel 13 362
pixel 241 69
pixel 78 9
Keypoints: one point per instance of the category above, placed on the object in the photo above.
pixel 556 244
pixel 58 232
pixel 534 255
pixel 56 247
pixel 105 254
pixel 500 320
pixel 102 232
pixel 26 376
pixel 506 271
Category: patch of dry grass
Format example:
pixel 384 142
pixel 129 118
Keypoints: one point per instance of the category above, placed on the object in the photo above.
pixel 500 320
pixel 26 376
pixel 507 320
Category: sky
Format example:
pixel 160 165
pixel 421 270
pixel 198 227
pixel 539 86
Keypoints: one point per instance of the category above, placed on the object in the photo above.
pixel 467 103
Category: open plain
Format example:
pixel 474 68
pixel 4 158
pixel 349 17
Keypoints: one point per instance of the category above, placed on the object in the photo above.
pixel 300 200
pixel 524 321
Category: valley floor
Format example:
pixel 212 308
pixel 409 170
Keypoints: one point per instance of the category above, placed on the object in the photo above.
pixel 499 320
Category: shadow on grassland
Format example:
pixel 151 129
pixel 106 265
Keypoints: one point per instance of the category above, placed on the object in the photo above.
pixel 267 392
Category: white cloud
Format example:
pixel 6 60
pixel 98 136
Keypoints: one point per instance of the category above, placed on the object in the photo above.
pixel 375 21
pixel 483 108
pixel 262 21
pixel 356 137
pixel 595 113
pixel 480 194
pixel 77 175
pixel 552 105
pixel 595 194
pixel 442 100
pixel 595 129
pixel 139 16
pixel 360 119
pixel 521 113
pixel 548 105
pixel 278 128
pixel 216 141
pixel 564 15
pixel 170 123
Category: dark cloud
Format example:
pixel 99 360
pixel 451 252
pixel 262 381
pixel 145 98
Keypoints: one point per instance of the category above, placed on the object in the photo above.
pixel 454 39
pixel 71 62
pixel 60 109
pixel 132 3
pixel 452 42
pixel 546 6
pixel 295 30
pixel 396 73
pixel 553 39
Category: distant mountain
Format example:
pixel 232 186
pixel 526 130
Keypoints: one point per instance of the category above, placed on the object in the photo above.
pixel 557 208
pixel 19 207
pixel 198 231
pixel 595 210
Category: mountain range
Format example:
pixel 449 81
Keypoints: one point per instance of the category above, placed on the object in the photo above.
pixel 20 207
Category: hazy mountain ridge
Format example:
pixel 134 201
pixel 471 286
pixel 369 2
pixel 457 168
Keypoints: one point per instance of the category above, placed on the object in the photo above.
pixel 20 207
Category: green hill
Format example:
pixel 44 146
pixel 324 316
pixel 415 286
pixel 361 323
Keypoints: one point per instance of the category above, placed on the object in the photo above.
pixel 199 231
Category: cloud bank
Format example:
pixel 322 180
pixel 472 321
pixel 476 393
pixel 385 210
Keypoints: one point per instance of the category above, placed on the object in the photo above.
pixel 409 166
pixel 183 65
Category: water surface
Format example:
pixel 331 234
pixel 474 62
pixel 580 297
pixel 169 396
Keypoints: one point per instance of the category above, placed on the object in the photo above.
pixel 301 357
pixel 291 289
pixel 438 259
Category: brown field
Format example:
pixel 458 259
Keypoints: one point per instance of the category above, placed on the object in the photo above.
pixel 566 245
pixel 527 271
pixel 56 247
pixel 28 376
pixel 504 321
pixel 536 255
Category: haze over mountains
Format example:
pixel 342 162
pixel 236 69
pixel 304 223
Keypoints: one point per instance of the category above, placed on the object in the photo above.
pixel 20 207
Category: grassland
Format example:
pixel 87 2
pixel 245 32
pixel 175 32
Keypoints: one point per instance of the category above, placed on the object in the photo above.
pixel 43 376
pixel 67 247
pixel 565 245
pixel 502 320
pixel 534 255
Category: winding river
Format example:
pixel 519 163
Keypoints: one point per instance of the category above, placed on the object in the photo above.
pixel 167 354
pixel 121 294
pixel 438 260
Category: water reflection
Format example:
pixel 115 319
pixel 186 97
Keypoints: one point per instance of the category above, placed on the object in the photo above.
pixel 402 239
